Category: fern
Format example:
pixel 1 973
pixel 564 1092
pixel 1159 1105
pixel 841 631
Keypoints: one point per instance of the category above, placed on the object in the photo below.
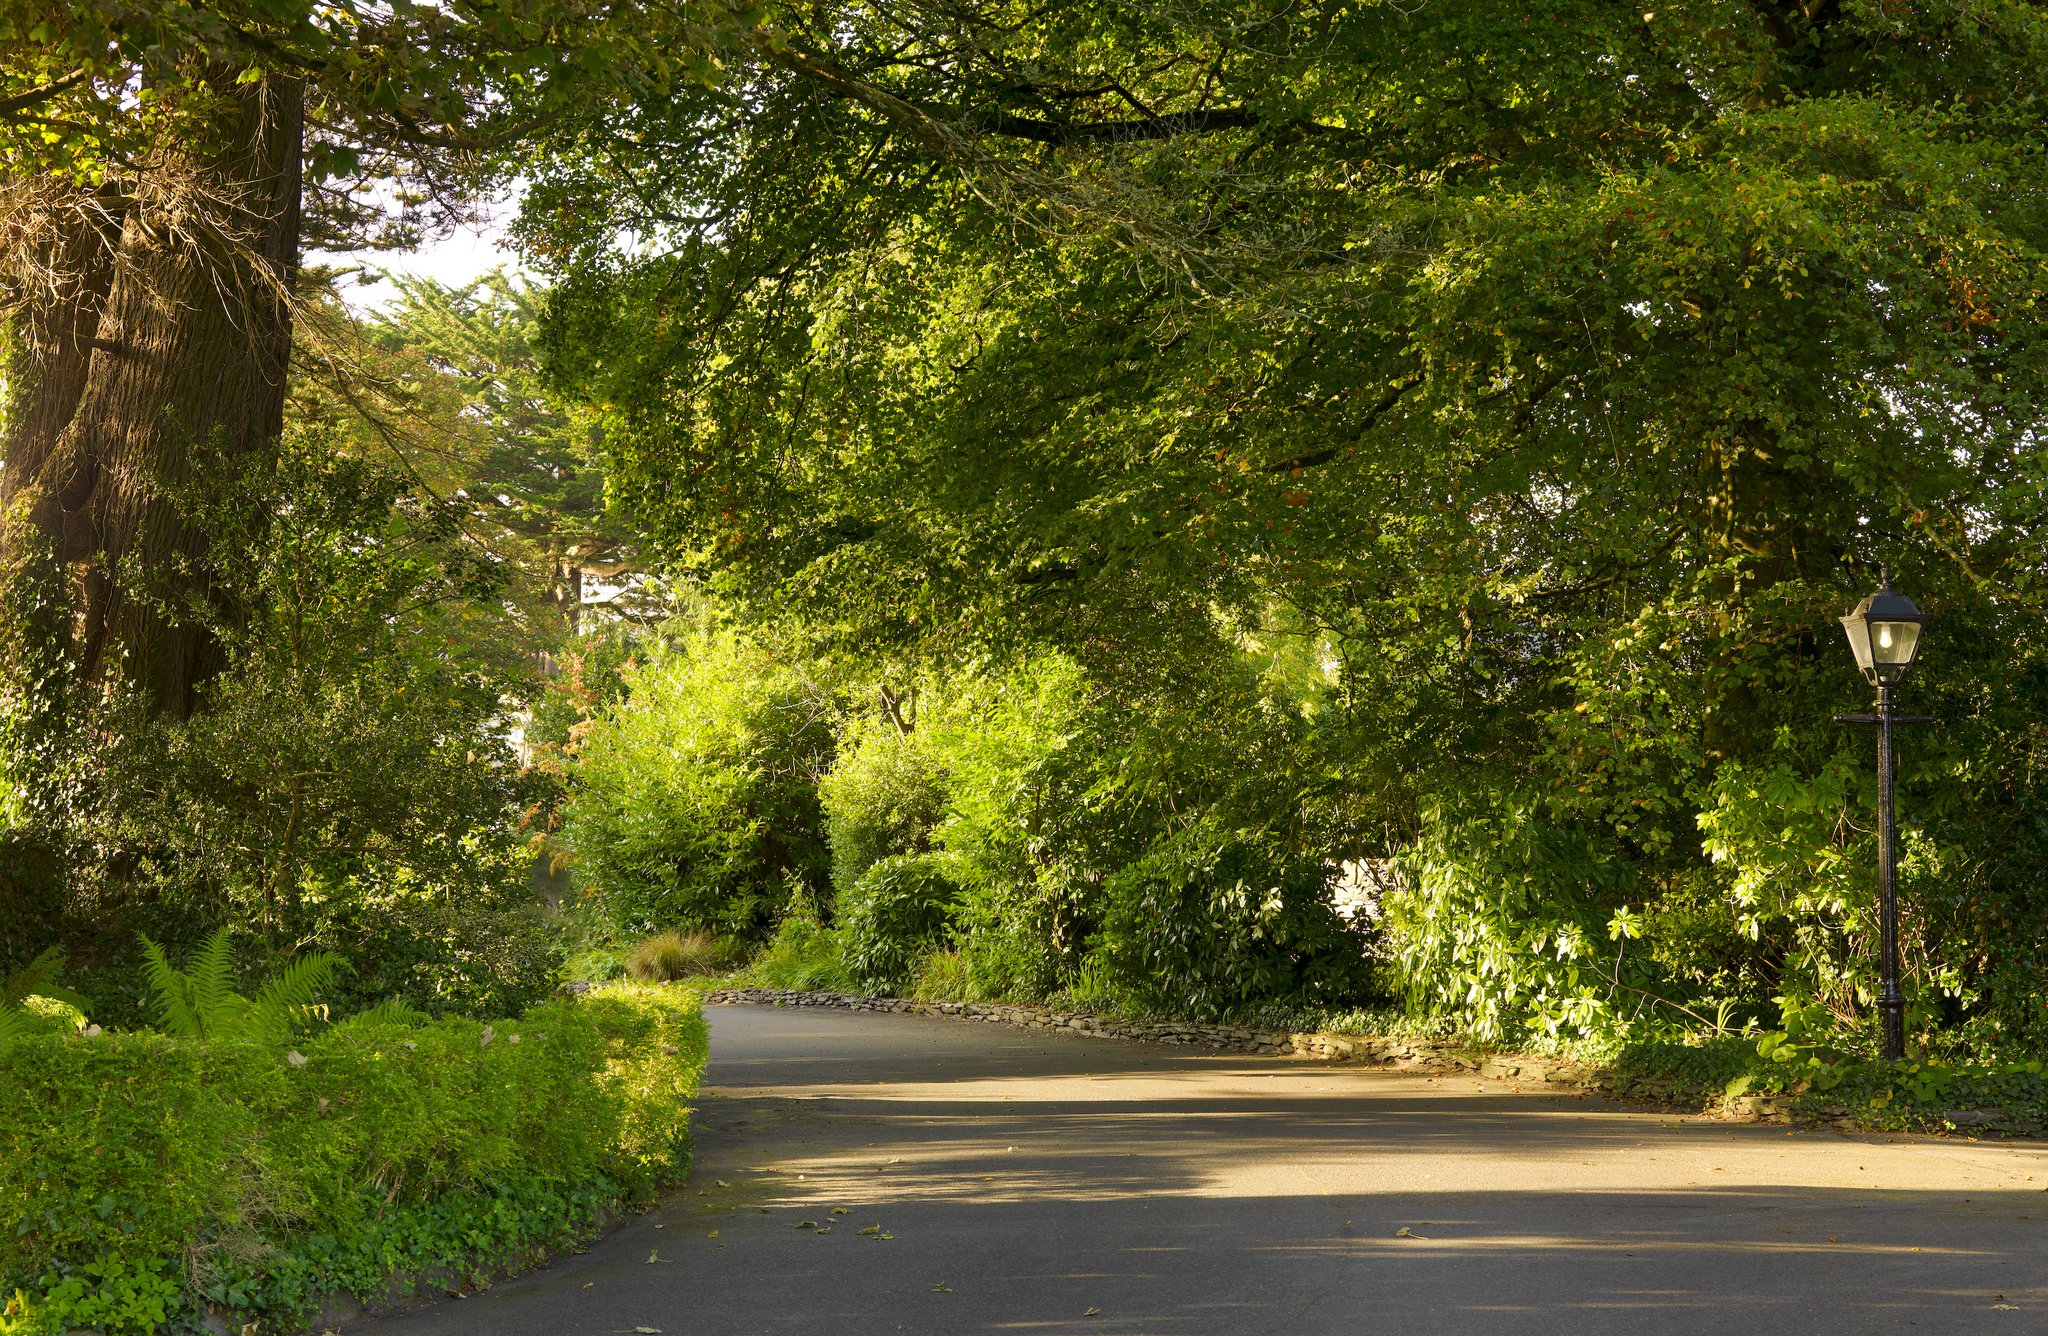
pixel 38 978
pixel 199 1003
pixel 211 977
pixel 31 978
pixel 392 1011
pixel 170 993
pixel 290 1001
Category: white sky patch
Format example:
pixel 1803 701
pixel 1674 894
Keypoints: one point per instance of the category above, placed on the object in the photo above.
pixel 470 251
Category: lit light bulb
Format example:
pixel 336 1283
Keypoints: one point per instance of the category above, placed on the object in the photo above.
pixel 1884 637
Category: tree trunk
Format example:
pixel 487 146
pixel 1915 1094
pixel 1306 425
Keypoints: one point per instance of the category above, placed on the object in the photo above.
pixel 58 278
pixel 181 390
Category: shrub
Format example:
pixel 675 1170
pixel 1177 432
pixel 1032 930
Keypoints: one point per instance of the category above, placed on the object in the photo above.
pixel 482 955
pixel 803 954
pixel 151 1172
pixel 1211 920
pixel 668 956
pixel 897 912
pixel 694 802
pixel 1503 928
pixel 886 795
pixel 354 740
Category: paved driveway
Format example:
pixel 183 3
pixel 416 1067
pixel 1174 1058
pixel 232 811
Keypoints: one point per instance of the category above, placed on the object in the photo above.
pixel 865 1174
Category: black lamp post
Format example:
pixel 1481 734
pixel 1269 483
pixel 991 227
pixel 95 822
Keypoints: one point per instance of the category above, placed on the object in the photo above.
pixel 1884 632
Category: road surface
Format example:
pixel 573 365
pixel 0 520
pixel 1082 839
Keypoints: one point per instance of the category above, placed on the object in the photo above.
pixel 867 1174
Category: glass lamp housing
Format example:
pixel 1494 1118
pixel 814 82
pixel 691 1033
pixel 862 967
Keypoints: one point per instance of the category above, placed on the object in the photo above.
pixel 1884 634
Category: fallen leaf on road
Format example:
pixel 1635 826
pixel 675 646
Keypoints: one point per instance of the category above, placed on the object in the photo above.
pixel 1406 1233
pixel 839 1210
pixel 653 1257
pixel 588 1283
pixel 721 1182
pixel 712 1235
pixel 942 1289
pixel 1091 1312
pixel 824 1229
pixel 805 1224
pixel 872 1229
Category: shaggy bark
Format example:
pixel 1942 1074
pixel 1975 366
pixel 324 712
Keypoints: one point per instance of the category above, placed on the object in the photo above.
pixel 141 391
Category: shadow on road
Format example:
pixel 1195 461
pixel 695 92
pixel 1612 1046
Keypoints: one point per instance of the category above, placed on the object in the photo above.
pixel 879 1174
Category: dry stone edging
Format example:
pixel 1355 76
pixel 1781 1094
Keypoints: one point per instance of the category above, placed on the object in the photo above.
pixel 1310 1045
pixel 1378 1050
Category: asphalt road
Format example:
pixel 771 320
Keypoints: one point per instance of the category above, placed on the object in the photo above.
pixel 865 1174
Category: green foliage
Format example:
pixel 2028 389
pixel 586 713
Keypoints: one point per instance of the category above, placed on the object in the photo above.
pixel 668 956
pixel 942 977
pixel 1537 480
pixel 694 802
pixel 1024 824
pixel 1209 921
pixel 1502 926
pixel 196 1003
pixel 802 954
pixel 885 795
pixel 31 999
pixel 900 908
pixel 346 756
pixel 1819 1080
pixel 491 953
pixel 386 1141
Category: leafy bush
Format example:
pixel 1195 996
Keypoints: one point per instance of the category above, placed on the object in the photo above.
pixel 354 745
pixel 694 802
pixel 1211 920
pixel 886 795
pixel 492 954
pixel 1027 824
pixel 1505 926
pixel 900 909
pixel 154 1173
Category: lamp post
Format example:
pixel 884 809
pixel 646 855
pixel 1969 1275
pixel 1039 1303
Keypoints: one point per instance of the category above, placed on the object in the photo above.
pixel 1884 634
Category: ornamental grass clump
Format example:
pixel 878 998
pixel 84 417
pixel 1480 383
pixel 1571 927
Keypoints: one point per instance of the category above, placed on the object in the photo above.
pixel 668 956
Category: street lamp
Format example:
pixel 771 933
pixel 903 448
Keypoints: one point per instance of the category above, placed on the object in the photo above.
pixel 1884 634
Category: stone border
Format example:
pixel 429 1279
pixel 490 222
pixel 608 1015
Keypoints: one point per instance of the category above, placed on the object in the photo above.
pixel 1399 1054
pixel 1312 1045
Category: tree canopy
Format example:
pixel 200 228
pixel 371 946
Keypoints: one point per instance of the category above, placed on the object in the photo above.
pixel 1550 377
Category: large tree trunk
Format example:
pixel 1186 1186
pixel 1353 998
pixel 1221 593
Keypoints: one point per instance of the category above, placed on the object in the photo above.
pixel 60 265
pixel 181 389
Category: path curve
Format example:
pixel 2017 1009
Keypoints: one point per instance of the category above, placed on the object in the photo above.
pixel 860 1173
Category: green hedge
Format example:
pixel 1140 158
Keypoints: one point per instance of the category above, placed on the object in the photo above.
pixel 142 1177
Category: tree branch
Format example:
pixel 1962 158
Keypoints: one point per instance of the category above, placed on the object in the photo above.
pixel 21 101
pixel 1061 133
pixel 1373 415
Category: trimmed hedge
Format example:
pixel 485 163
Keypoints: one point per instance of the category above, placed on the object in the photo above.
pixel 143 1177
